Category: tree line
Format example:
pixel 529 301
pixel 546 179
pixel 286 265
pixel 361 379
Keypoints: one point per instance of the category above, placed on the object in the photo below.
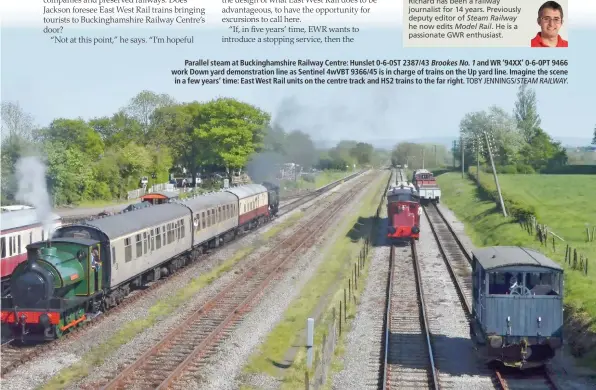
pixel 417 156
pixel 518 143
pixel 154 135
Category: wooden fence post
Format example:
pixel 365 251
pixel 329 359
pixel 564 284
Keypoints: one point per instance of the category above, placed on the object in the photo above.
pixel 340 316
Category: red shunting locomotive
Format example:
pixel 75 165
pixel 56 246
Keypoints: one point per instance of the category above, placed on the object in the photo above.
pixel 403 211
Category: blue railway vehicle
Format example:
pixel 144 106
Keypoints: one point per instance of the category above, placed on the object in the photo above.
pixel 517 306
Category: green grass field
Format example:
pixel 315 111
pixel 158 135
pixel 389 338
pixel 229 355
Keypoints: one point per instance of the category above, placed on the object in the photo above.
pixel 562 202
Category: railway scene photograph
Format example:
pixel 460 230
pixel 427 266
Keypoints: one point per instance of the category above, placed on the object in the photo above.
pixel 217 244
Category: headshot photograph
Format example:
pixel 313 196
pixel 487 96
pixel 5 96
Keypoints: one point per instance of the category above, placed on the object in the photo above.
pixel 550 20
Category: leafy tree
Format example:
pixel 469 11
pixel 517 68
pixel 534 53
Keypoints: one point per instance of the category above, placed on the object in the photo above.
pixel 69 172
pixel 16 123
pixel 118 129
pixel 300 149
pixel 76 133
pixel 178 123
pixel 526 113
pixel 143 105
pixel 233 131
pixel 503 134
pixel 362 152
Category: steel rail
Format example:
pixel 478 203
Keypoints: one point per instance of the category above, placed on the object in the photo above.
pixel 452 231
pixel 387 319
pixel 238 310
pixel 501 380
pixel 460 292
pixel 434 375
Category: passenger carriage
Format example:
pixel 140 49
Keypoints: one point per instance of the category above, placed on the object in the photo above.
pixel 215 218
pixel 517 306
pixel 253 204
pixel 403 213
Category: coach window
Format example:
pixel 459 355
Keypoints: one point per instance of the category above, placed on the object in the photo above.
pixel 157 238
pixel 9 246
pixel 182 232
pixel 219 217
pixel 163 235
pixel 43 235
pixel 3 244
pixel 113 255
pixel 152 240
pixel 139 246
pixel 19 241
pixel 203 220
pixel 127 250
pixel 145 242
pixel 208 217
pixel 212 222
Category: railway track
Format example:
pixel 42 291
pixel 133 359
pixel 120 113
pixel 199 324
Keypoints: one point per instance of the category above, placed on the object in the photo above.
pixel 458 262
pixel 408 359
pixel 183 350
pixel 14 353
pixel 535 379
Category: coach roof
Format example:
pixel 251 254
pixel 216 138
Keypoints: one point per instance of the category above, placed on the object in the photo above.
pixel 123 224
pixel 247 190
pixel 209 200
pixel 510 256
pixel 21 218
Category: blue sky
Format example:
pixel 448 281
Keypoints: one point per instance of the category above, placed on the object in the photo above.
pixel 52 80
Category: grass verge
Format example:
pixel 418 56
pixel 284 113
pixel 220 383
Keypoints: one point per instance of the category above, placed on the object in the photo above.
pixel 337 266
pixel 486 226
pixel 162 308
pixel 321 179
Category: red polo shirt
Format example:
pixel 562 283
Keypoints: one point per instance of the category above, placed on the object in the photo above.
pixel 537 42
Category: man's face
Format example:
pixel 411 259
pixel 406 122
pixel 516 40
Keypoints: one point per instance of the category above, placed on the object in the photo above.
pixel 550 22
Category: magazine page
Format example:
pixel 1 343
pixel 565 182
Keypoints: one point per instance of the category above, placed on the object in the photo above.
pixel 297 194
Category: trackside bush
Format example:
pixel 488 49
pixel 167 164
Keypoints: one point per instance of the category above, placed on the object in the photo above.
pixel 517 209
pixel 572 170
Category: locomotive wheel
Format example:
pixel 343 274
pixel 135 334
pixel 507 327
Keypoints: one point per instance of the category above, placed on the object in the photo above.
pixel 80 314
pixel 59 333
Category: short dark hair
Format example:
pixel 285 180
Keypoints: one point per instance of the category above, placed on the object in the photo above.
pixel 551 5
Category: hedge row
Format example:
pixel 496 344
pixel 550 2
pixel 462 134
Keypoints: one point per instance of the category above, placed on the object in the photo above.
pixel 572 170
pixel 519 210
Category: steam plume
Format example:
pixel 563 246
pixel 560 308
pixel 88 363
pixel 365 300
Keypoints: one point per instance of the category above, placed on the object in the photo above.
pixel 31 176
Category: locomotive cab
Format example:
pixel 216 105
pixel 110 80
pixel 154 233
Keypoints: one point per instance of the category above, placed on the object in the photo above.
pixel 517 306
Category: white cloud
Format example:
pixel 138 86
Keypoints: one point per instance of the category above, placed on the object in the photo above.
pixel 384 13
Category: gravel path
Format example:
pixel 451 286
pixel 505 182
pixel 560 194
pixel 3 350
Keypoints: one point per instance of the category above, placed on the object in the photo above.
pixel 363 342
pixel 458 366
pixel 41 369
pixel 232 355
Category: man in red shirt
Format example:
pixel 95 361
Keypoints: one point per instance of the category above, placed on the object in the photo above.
pixel 550 19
